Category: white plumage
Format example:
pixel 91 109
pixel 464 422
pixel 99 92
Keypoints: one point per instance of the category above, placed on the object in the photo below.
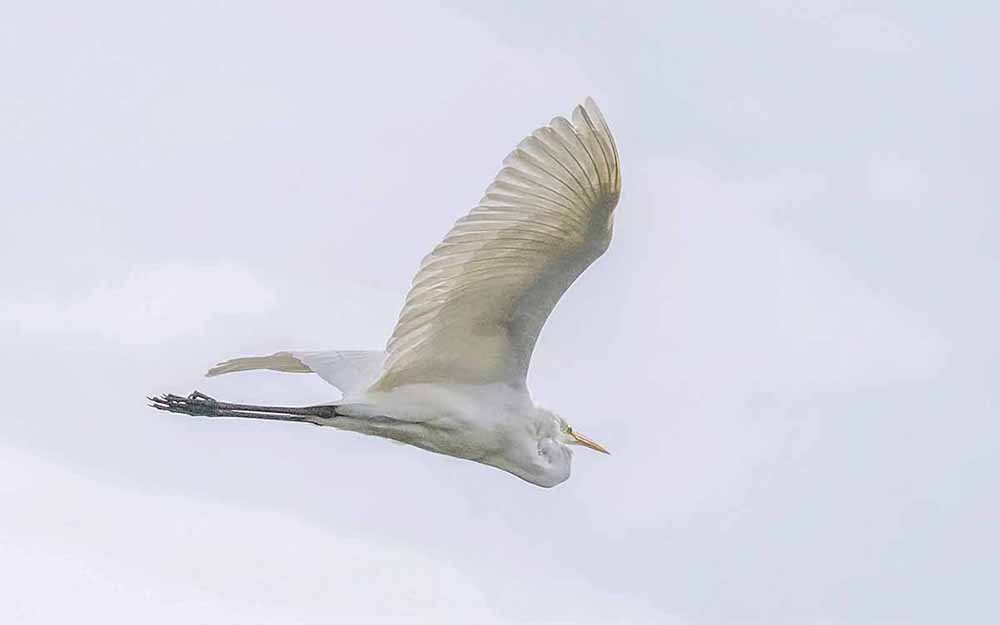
pixel 452 378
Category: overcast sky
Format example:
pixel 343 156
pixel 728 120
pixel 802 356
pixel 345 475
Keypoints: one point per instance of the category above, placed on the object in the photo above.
pixel 790 348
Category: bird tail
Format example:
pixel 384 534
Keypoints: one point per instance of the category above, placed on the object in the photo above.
pixel 280 361
pixel 349 371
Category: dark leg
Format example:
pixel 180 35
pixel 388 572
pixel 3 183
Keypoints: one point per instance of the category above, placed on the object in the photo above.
pixel 199 404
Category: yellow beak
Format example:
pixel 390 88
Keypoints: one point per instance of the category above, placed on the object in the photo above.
pixel 586 442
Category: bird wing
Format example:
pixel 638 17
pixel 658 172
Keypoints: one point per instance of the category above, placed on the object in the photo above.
pixel 480 299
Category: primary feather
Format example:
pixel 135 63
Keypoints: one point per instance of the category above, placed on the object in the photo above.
pixel 480 299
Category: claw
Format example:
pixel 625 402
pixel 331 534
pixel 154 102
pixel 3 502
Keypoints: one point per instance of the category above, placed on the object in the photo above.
pixel 196 404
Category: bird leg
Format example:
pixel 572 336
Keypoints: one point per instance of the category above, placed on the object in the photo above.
pixel 201 405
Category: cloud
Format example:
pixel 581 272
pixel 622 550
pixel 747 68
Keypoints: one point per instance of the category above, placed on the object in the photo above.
pixel 860 30
pixel 133 556
pixel 149 304
pixel 894 179
pixel 746 297
pixel 207 112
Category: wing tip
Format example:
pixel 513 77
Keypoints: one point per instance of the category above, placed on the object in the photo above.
pixel 592 109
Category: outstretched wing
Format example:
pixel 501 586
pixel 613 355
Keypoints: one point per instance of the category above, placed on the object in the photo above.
pixel 480 299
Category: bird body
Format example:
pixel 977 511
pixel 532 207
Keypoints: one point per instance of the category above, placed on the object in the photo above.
pixel 453 376
pixel 493 424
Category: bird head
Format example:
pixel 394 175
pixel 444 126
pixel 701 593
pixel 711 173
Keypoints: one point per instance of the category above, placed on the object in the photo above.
pixel 546 457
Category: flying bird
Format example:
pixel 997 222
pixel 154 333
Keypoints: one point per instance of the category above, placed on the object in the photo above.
pixel 452 378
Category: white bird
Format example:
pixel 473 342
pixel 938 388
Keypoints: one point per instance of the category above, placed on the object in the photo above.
pixel 452 378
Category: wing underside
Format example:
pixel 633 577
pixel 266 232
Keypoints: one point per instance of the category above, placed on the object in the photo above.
pixel 480 299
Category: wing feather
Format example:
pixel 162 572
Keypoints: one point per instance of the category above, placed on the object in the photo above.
pixel 481 297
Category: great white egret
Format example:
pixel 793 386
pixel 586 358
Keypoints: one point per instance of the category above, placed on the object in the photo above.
pixel 452 378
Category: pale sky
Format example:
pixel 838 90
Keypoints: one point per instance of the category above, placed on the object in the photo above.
pixel 790 348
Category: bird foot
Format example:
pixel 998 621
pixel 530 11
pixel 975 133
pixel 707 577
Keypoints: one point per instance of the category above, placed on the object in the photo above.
pixel 196 404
